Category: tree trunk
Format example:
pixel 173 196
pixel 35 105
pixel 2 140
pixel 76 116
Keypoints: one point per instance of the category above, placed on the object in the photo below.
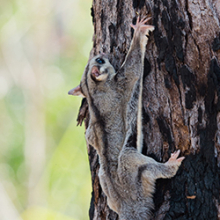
pixel 181 99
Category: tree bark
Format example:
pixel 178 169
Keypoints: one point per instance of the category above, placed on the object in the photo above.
pixel 181 99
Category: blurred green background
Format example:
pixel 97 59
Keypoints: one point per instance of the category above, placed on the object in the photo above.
pixel 44 168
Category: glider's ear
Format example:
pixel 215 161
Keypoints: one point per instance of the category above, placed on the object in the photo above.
pixel 76 91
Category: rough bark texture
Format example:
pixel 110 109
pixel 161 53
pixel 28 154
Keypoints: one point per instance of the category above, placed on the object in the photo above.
pixel 181 99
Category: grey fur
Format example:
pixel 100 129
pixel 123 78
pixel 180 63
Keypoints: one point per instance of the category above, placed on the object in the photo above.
pixel 127 177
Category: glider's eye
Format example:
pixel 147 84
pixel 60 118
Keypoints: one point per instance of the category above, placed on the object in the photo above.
pixel 100 61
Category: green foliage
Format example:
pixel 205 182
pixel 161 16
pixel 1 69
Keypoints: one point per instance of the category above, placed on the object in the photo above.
pixel 44 168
